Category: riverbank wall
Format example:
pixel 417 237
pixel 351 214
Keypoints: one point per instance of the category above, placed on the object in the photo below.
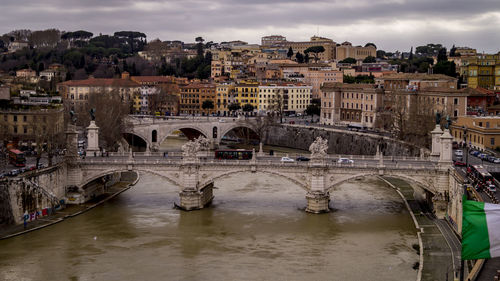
pixel 339 141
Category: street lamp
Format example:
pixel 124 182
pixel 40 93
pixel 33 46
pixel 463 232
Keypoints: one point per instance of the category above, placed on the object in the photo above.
pixel 466 147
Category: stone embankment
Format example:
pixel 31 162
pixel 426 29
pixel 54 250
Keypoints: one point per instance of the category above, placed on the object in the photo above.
pixel 339 141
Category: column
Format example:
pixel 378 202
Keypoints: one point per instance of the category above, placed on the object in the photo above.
pixel 92 138
pixel 445 157
pixel 436 143
pixel 193 196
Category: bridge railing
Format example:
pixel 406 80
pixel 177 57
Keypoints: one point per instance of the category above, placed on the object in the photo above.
pixel 329 162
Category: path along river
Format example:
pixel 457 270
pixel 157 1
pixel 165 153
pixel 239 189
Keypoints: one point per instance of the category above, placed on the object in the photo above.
pixel 256 229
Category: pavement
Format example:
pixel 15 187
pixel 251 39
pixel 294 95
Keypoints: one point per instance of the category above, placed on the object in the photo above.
pixel 68 212
pixel 441 246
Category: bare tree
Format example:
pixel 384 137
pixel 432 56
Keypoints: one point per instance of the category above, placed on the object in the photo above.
pixel 111 111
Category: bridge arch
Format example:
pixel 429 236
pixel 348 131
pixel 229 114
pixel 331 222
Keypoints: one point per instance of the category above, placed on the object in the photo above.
pixel 112 171
pixel 224 131
pixel 410 179
pixel 180 127
pixel 127 135
pixel 228 174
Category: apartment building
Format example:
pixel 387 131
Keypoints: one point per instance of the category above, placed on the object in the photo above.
pixel 415 81
pixel 481 71
pixel 247 92
pixel 350 104
pixel 288 98
pixel 480 132
pixel 225 95
pixel 347 50
pixel 193 95
pixel 76 93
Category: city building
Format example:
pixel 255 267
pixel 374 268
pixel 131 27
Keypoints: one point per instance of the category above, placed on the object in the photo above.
pixel 287 98
pixel 481 71
pixel 26 73
pixel 193 95
pixel 247 92
pixel 225 95
pixel 328 44
pixel 76 93
pixel 273 40
pixel 480 132
pixel 17 45
pixel 32 124
pixel 347 50
pixel 350 104
pixel 415 81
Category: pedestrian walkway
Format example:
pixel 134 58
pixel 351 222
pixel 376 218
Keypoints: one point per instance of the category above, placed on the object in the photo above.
pixel 59 216
pixel 439 258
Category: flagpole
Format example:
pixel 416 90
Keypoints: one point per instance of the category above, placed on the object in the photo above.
pixel 461 269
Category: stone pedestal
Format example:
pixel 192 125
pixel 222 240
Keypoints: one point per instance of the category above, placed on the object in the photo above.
pixel 436 143
pixel 318 202
pixel 92 138
pixel 261 151
pixel 194 200
pixel 446 156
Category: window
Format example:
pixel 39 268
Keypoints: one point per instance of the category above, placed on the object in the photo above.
pixel 492 141
pixel 25 118
pixel 455 101
pixel 15 119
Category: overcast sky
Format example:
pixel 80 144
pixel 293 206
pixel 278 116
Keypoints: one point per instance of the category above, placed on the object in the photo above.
pixel 390 24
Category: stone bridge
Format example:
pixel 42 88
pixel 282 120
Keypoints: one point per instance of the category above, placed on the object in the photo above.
pixel 194 175
pixel 154 130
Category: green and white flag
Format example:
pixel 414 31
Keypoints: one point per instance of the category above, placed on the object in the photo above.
pixel 480 230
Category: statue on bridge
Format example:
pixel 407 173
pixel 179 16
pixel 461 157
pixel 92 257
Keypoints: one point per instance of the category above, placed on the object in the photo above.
pixel 92 114
pixel 318 148
pixel 190 148
pixel 204 142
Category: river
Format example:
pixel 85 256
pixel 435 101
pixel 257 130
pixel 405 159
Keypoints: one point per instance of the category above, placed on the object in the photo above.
pixel 256 229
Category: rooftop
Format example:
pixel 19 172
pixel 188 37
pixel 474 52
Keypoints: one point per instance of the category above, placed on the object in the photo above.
pixel 101 82
pixel 416 76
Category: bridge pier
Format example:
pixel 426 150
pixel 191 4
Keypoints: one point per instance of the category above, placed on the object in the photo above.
pixel 318 202
pixel 196 199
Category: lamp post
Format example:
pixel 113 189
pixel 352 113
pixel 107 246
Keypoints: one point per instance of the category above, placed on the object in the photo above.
pixel 466 147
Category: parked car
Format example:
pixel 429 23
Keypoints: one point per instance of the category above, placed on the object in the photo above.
pixel 14 172
pixel 483 156
pixel 286 160
pixel 475 153
pixel 459 152
pixel 492 188
pixel 459 163
pixel 496 161
pixel 302 158
pixel 490 158
pixel 345 161
pixel 41 166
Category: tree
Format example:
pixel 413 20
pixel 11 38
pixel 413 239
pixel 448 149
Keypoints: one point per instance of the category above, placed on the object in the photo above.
pixel 299 57
pixel 313 109
pixel 306 58
pixel 199 46
pixel 349 60
pixel 453 51
pixel 369 59
pixel 315 50
pixel 110 115
pixel 370 44
pixel 442 55
pixel 208 105
pixel 247 107
pixel 276 104
pixel 233 107
pixel 411 54
pixel 381 54
pixel 290 53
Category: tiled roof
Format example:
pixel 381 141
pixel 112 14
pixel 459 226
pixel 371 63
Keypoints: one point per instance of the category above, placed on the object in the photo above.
pixel 101 82
pixel 416 76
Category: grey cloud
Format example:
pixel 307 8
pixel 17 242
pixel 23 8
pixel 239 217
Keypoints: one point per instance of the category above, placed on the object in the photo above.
pixel 245 18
